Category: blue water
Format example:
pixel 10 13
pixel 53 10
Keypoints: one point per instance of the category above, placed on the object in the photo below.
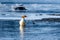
pixel 33 8
pixel 45 30
pixel 9 30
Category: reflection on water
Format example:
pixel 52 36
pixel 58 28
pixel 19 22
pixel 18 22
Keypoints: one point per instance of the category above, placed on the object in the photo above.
pixel 10 30
pixel 22 32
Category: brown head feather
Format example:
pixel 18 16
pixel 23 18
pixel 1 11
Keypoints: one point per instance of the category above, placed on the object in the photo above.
pixel 24 16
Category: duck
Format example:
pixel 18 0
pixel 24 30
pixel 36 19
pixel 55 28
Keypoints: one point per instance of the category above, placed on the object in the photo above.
pixel 22 21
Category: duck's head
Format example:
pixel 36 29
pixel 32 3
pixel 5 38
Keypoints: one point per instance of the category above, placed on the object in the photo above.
pixel 24 16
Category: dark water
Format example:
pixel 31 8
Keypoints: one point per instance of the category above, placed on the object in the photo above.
pixel 9 30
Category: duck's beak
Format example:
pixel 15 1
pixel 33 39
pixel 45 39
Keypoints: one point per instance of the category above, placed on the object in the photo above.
pixel 25 16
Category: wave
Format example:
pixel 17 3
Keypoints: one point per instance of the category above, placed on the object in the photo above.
pixel 44 8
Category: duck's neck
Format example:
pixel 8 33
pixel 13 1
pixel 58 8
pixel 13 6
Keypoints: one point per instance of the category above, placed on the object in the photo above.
pixel 22 19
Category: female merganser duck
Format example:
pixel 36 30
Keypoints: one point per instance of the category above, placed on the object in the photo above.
pixel 22 24
pixel 22 21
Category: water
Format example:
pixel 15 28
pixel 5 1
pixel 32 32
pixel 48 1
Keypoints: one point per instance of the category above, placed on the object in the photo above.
pixel 33 8
pixel 9 30
pixel 34 30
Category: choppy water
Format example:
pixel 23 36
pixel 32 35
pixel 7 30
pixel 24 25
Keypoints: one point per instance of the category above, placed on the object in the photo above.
pixel 9 29
pixel 36 8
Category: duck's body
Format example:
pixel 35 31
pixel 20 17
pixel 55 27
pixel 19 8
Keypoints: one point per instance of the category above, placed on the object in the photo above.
pixel 22 22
